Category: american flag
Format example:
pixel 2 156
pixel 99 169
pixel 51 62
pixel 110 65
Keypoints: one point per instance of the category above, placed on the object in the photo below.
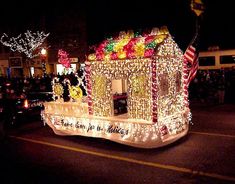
pixel 190 64
pixel 190 54
pixel 191 57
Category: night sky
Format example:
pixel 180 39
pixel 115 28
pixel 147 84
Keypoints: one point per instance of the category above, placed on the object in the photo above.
pixel 107 18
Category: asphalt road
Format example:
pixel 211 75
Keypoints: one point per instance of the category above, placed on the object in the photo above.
pixel 32 153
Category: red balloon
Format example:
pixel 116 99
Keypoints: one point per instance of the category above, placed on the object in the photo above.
pixel 114 56
pixel 148 52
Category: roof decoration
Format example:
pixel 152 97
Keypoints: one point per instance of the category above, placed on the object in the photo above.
pixel 130 46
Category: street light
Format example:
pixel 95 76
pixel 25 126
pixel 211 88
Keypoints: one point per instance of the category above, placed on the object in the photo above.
pixel 43 52
pixel 43 57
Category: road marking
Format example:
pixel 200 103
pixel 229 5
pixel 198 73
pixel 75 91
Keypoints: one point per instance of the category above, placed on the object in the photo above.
pixel 212 134
pixel 130 160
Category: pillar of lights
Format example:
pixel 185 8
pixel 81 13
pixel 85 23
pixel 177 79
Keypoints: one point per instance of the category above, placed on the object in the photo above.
pixel 43 60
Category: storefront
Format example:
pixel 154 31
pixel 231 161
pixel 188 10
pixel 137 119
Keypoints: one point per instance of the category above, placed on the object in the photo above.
pixel 4 64
pixel 15 67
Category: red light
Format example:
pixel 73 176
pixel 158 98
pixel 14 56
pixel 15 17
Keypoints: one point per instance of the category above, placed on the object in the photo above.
pixel 26 104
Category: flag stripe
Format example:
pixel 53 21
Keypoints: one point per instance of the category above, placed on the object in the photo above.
pixel 191 57
pixel 190 53
pixel 191 48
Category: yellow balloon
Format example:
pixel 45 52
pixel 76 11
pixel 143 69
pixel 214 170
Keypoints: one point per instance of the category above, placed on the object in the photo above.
pixel 118 47
pixel 91 57
pixel 75 92
pixel 139 49
pixel 121 55
pixel 159 38
pixel 107 57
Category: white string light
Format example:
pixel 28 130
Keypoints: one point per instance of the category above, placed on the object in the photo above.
pixel 29 43
pixel 156 110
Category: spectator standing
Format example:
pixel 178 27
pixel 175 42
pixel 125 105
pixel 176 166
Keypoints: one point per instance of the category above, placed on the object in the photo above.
pixel 221 89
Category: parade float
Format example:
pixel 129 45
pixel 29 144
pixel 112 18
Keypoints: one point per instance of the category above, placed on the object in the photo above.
pixel 153 71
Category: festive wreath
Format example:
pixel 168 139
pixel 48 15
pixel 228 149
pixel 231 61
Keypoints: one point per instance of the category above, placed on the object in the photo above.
pixel 75 92
pixel 58 89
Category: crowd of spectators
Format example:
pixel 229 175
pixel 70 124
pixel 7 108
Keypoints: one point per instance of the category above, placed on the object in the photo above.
pixel 19 85
pixel 213 86
pixel 209 86
pixel 24 85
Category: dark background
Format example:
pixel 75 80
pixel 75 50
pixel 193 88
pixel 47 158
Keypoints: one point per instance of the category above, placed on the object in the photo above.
pixel 105 18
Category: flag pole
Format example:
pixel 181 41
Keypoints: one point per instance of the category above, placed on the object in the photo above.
pixel 197 30
pixel 191 53
pixel 198 8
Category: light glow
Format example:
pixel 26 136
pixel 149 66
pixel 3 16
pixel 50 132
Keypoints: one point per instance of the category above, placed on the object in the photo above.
pixel 156 94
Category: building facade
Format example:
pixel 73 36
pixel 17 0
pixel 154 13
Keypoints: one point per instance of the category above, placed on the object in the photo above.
pixel 217 59
pixel 67 32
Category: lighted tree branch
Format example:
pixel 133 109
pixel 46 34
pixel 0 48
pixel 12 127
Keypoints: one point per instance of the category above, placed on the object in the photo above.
pixel 29 43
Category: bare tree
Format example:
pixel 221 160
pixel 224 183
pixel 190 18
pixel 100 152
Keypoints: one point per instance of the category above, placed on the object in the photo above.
pixel 29 43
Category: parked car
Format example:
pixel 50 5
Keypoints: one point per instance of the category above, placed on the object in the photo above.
pixel 17 107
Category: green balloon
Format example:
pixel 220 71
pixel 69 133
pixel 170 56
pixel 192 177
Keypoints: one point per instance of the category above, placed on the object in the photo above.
pixel 151 45
pixel 109 46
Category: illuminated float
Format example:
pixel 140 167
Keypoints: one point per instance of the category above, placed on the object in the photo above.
pixel 151 68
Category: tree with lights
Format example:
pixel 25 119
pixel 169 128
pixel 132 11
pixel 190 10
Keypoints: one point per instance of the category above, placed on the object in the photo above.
pixel 29 43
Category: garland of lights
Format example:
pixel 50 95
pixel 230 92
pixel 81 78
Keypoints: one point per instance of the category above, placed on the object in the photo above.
pixel 129 46
pixel 89 86
pixel 81 80
pixel 156 93
pixel 185 82
pixel 29 43
pixel 163 103
pixel 154 90
pixel 75 92
pixel 57 89
pixel 98 96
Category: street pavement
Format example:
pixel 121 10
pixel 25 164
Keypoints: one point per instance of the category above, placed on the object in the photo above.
pixel 32 153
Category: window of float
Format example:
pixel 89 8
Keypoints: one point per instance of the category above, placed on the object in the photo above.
pixel 164 84
pixel 119 93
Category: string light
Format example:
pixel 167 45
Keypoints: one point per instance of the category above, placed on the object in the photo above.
pixel 29 43
pixel 157 114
